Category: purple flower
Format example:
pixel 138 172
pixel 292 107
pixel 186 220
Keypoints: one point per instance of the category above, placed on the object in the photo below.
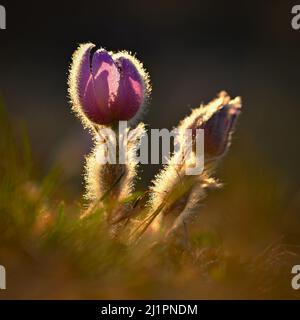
pixel 217 119
pixel 107 87
pixel 218 129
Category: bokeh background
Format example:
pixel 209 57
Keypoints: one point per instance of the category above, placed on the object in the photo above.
pixel 192 50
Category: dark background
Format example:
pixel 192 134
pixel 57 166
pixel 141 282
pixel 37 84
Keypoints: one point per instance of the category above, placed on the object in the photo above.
pixel 192 50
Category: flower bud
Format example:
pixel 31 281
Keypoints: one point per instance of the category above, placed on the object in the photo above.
pixel 217 119
pixel 218 129
pixel 105 87
pixel 175 198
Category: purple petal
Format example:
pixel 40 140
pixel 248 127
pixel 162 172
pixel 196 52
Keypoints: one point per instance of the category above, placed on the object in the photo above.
pixel 106 80
pixel 217 130
pixel 91 107
pixel 130 94
pixel 84 72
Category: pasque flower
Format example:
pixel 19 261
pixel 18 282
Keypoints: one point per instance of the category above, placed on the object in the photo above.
pixel 218 129
pixel 217 119
pixel 106 87
pixel 177 195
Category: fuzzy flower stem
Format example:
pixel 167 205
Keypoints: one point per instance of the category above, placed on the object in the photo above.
pixel 113 179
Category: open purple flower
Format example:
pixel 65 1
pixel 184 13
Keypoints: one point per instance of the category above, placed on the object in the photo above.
pixel 107 87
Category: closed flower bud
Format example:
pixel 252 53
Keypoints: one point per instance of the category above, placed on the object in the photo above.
pixel 105 87
pixel 217 119
pixel 176 197
pixel 218 129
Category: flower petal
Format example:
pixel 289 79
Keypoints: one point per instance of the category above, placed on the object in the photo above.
pixel 84 70
pixel 106 79
pixel 91 107
pixel 131 91
pixel 218 129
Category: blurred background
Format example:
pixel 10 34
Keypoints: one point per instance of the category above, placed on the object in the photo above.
pixel 192 50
